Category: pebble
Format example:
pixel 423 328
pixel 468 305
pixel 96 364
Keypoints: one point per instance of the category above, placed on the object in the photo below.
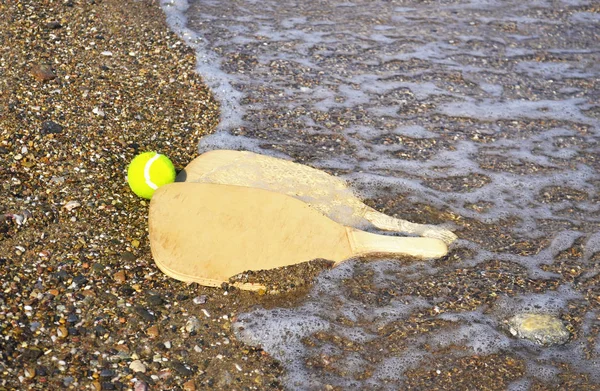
pixel 199 299
pixel 108 386
pixel 192 324
pixel 79 280
pixel 51 127
pixel 29 373
pixel 164 374
pixel 107 374
pixel 120 277
pixel 189 386
pixel 62 332
pixel 140 386
pixel 67 381
pixel 32 354
pixel 72 318
pixel 54 292
pixel 542 329
pixel 137 366
pixel 53 25
pixel 145 314
pixel 181 368
pixel 155 300
pixel 128 257
pixel 59 180
pixel 43 72
pixel 152 331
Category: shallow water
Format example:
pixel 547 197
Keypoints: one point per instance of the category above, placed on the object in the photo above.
pixel 486 111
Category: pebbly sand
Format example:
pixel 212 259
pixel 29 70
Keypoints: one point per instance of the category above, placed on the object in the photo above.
pixel 86 85
pixel 81 298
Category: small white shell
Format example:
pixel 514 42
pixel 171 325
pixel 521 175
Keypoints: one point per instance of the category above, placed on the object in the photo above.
pixel 71 205
pixel 19 219
pixel 98 111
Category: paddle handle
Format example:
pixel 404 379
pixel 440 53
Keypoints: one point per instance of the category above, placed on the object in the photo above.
pixel 363 243
pixel 388 223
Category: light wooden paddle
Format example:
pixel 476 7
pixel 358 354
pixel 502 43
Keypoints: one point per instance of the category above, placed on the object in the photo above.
pixel 327 193
pixel 207 233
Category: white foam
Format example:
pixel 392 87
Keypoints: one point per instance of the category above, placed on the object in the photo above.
pixel 592 246
pixel 480 339
pixel 551 303
pixel 488 110
pixel 454 90
pixel 284 331
pixel 207 63
pixel 393 368
pixel 414 131
pixel 519 385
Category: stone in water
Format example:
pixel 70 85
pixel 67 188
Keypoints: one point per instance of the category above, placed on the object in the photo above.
pixel 542 329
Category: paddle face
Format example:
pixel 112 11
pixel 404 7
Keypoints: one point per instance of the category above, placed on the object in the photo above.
pixel 327 193
pixel 207 233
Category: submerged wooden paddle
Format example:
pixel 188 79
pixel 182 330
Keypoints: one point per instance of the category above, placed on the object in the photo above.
pixel 207 233
pixel 326 193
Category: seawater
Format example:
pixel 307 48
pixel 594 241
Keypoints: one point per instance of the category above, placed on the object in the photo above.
pixel 405 95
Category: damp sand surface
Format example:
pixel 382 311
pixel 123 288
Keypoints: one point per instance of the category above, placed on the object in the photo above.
pixel 88 84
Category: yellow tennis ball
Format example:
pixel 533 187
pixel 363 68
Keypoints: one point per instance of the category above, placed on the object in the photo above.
pixel 148 171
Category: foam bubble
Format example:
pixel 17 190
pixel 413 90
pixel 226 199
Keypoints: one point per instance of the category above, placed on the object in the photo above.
pixel 391 369
pixel 570 109
pixel 415 131
pixel 592 246
pixel 551 303
pixel 282 331
pixel 480 339
pixel 519 385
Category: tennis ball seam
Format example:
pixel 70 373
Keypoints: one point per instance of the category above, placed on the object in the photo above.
pixel 147 168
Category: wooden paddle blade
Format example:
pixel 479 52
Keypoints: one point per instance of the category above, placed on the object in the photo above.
pixel 326 193
pixel 208 233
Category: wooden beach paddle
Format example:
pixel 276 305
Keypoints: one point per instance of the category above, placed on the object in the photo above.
pixel 326 193
pixel 207 233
